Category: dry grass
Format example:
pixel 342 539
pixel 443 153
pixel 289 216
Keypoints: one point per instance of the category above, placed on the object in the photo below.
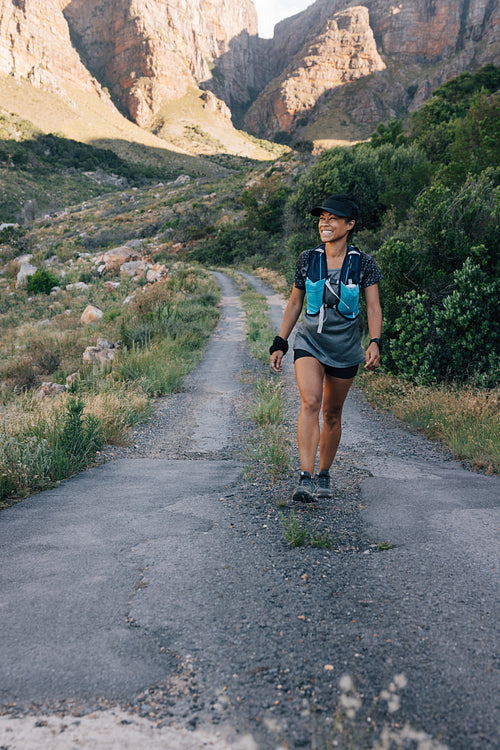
pixel 467 420
pixel 276 280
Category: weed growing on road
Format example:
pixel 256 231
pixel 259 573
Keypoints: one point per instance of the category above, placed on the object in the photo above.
pixel 268 446
pixel 269 452
pixel 357 727
pixel 297 537
pixel 268 402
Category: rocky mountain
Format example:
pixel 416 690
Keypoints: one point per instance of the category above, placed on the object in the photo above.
pixel 342 50
pixel 147 52
pixel 136 56
pixel 333 70
pixel 401 49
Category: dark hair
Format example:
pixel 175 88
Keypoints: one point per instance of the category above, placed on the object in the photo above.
pixel 356 211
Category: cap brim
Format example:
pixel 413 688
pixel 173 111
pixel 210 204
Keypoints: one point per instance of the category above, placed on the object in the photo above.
pixel 316 211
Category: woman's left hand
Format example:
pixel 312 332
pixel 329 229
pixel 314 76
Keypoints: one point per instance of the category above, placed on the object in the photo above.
pixel 372 356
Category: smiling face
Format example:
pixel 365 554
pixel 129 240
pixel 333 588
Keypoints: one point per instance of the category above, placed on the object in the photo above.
pixel 333 228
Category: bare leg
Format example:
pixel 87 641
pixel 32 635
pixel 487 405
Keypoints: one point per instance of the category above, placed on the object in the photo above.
pixel 336 390
pixel 310 375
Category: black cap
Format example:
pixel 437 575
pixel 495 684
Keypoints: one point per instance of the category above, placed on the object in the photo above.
pixel 339 205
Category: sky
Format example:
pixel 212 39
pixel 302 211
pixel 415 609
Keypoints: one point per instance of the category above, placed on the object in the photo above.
pixel 269 12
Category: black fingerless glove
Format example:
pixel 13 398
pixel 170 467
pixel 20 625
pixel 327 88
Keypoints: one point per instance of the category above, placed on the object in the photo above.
pixel 279 344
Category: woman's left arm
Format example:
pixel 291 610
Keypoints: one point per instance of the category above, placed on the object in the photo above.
pixel 374 313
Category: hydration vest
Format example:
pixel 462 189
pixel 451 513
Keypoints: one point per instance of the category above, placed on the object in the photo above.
pixel 349 289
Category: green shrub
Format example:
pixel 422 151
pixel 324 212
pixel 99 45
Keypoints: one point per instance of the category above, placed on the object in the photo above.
pixel 382 178
pixel 25 463
pixel 432 127
pixel 414 334
pixel 265 203
pixel 458 341
pixel 42 282
pixel 74 439
pixel 468 328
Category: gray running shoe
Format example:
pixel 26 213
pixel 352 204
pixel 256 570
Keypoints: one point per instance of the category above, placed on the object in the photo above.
pixel 306 491
pixel 323 484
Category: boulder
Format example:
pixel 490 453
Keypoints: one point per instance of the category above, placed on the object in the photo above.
pixel 78 286
pixel 156 273
pixel 100 354
pixel 110 286
pixel 115 258
pixel 25 270
pixel 72 379
pixel 51 389
pixel 91 314
pixel 95 355
pixel 133 268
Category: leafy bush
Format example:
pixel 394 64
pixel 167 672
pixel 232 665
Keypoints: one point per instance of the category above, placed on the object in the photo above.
pixel 42 282
pixel 235 243
pixel 458 341
pixel 432 126
pixel 392 133
pixel 448 226
pixel 468 329
pixel 265 203
pixel 384 177
pixel 475 140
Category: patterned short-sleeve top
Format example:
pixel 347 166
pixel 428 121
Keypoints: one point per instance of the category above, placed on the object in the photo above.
pixel 339 343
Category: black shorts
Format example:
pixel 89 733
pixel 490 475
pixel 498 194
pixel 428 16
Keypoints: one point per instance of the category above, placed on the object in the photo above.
pixel 346 373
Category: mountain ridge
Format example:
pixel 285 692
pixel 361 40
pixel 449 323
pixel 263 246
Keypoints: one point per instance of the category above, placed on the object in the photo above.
pixel 338 61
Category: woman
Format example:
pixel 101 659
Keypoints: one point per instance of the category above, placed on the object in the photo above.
pixel 327 348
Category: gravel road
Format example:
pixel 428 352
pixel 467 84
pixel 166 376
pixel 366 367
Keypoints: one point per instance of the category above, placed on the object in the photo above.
pixel 153 601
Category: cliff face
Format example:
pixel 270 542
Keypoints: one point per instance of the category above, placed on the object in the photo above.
pixel 421 42
pixel 343 51
pixel 35 45
pixel 148 52
pixel 143 51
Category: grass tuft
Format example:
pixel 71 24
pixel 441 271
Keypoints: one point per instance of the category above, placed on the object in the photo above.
pixel 298 537
pixel 467 420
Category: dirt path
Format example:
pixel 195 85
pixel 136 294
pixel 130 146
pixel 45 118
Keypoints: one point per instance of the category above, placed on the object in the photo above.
pixel 153 601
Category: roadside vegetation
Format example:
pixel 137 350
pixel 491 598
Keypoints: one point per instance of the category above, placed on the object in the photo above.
pixel 269 449
pixel 158 336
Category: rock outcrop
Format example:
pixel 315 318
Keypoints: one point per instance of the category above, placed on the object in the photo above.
pixel 423 43
pixel 149 51
pixel 35 44
pixel 344 51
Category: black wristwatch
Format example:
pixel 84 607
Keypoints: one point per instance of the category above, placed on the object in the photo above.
pixel 378 342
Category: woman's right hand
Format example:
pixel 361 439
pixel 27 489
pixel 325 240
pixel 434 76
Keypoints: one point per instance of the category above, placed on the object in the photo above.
pixel 275 361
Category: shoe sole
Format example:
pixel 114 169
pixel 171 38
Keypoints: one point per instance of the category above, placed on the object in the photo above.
pixel 303 495
pixel 324 493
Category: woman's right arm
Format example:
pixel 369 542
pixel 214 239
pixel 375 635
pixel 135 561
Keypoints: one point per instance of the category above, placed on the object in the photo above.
pixel 290 317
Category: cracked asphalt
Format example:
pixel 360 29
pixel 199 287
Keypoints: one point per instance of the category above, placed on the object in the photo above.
pixel 153 601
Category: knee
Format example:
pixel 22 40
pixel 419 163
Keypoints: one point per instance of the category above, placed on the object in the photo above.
pixel 311 404
pixel 332 417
